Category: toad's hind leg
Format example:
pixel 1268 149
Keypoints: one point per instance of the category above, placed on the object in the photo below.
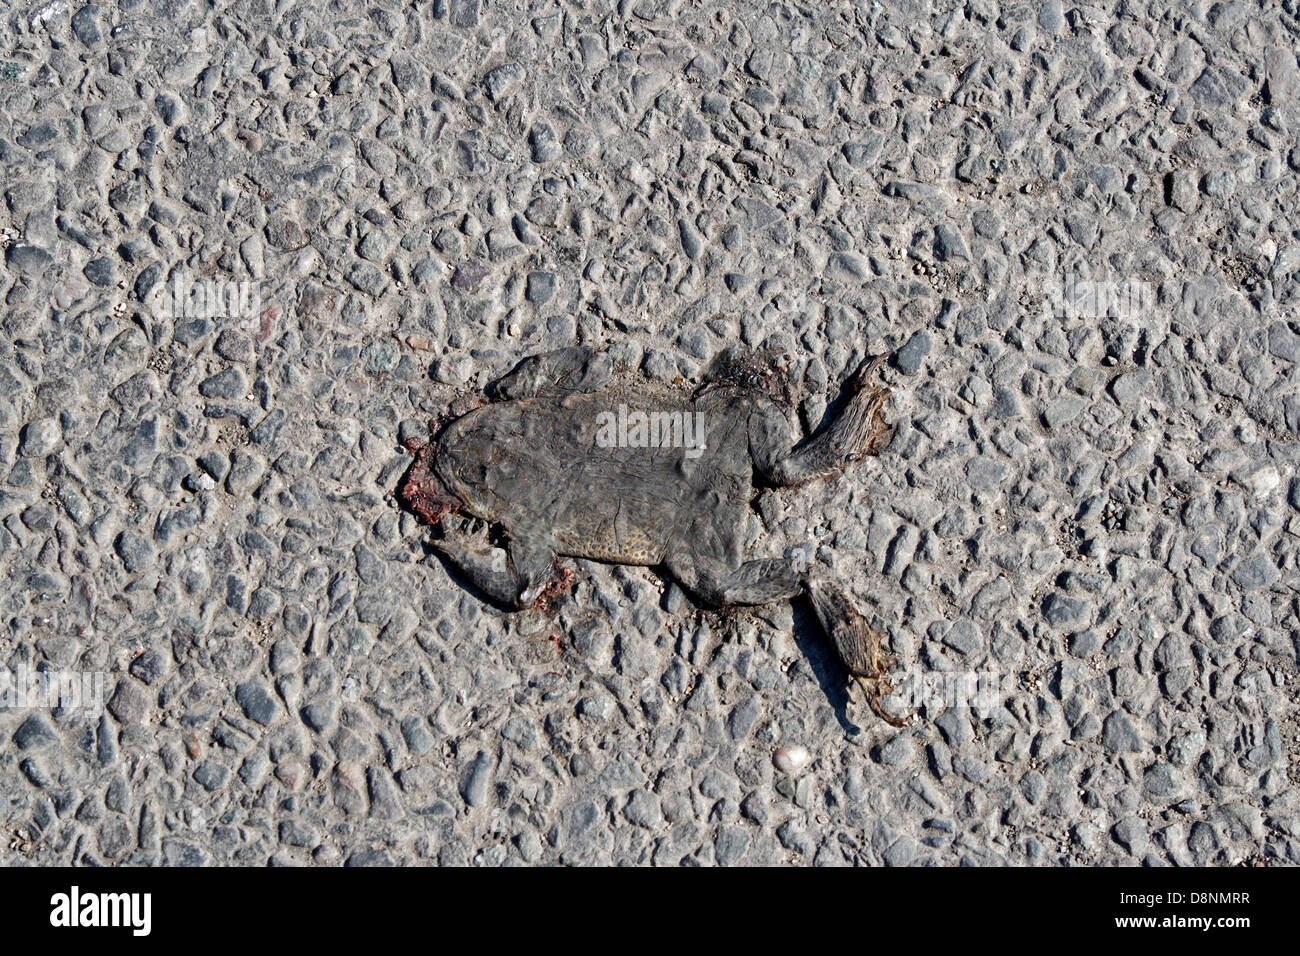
pixel 858 646
pixel 572 369
pixel 859 430
pixel 514 578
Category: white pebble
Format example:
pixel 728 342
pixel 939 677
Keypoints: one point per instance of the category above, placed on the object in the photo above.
pixel 1263 481
pixel 792 759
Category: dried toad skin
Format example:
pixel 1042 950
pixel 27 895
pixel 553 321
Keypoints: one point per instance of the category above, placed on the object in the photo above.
pixel 543 464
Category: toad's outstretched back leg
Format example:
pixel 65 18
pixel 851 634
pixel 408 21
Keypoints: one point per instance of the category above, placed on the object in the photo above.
pixel 859 646
pixel 859 430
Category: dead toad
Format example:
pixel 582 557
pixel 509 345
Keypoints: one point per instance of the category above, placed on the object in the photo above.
pixel 567 463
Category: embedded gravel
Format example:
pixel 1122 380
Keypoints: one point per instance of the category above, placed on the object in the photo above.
pixel 1089 503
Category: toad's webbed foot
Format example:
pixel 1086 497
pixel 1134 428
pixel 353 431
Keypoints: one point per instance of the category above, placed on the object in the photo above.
pixel 858 431
pixel 573 369
pixel 860 647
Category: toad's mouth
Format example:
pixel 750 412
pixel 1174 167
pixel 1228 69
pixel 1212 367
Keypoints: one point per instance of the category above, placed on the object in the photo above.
pixel 421 490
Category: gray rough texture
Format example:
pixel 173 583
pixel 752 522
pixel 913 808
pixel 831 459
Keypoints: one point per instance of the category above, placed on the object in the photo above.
pixel 1104 510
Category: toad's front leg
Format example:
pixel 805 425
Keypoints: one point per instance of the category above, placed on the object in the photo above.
pixel 514 578
pixel 566 370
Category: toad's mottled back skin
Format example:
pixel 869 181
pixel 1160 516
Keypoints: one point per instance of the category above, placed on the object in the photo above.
pixel 559 463
pixel 537 464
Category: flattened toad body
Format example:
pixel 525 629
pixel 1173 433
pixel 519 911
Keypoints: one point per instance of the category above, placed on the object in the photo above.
pixel 569 465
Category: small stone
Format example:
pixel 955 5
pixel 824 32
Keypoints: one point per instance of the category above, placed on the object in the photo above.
pixel 502 81
pixel 985 473
pixel 264 604
pixel 948 244
pixel 909 357
pixel 597 706
pixel 150 667
pixel 470 275
pixel 643 809
pixel 245 471
pixel 530 846
pixel 541 286
pixel 792 758
pixel 200 482
pixel 214 464
pixel 35 771
pixel 408 76
pixel 229 384
pixel 211 775
pixel 1051 18
pixel 1126 386
pixel 85 24
pixel 416 732
pixel 1131 834
pixel 42 134
pixel 376 245
pixel 464 13
pixel 1085 643
pixel 477 781
pixel 453 369
pixel 235 345
pixel 1283 343
pixel 102 272
pixel 1262 481
pixel 1284 264
pixel 1119 734
pixel 963 637
pixel 1063 410
pixel 366 277
pixel 1162 780
pixel 296 833
pixel 743 716
pixel 1006 403
pixel 319 715
pixel 180 853
pixel 285 658
pixel 730 845
pixel 1257 571
pixel 692 244
pixel 35 732
pixel 135 550
pixel 543 143
pixel 380 356
pixel 369 857
pixel 130 702
pixel 28 258
pixel 1065 611
pixel 170 107
pixel 257 702
pixel 39 438
pixel 898 750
